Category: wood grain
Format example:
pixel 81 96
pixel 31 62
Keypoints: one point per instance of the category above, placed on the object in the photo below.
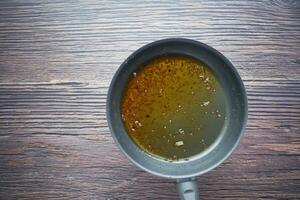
pixel 58 57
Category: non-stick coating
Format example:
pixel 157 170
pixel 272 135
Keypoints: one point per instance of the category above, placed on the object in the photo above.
pixel 236 106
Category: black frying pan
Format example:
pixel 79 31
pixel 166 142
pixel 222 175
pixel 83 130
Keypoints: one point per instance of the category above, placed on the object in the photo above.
pixel 236 116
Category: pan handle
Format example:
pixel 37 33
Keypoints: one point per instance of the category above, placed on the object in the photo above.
pixel 187 188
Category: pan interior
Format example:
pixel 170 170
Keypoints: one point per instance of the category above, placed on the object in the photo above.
pixel 173 107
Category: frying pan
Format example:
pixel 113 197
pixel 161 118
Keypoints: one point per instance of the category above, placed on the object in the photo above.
pixel 184 172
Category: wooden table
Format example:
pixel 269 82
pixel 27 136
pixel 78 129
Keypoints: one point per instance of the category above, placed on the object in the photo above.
pixel 57 59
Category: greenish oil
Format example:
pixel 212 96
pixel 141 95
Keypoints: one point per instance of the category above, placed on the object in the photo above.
pixel 173 107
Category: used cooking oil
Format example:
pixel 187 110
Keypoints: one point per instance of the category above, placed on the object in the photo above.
pixel 173 107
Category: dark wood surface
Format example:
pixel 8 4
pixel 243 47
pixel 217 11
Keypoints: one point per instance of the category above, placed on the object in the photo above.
pixel 58 57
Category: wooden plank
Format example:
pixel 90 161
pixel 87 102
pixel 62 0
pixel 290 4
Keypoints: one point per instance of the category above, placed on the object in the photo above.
pixel 87 41
pixel 68 167
pixel 75 106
